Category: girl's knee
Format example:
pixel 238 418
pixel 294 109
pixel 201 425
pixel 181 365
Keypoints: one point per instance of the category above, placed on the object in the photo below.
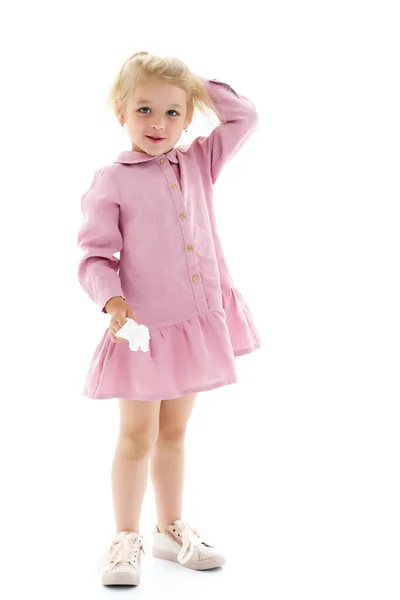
pixel 139 425
pixel 172 435
pixel 137 443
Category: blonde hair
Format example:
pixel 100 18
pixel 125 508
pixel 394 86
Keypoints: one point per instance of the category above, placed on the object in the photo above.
pixel 144 66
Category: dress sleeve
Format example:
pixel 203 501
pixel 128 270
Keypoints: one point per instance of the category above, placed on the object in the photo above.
pixel 239 118
pixel 99 238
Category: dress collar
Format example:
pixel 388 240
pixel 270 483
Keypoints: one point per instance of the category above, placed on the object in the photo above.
pixel 131 157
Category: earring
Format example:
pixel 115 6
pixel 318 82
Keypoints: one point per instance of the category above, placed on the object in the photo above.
pixel 186 130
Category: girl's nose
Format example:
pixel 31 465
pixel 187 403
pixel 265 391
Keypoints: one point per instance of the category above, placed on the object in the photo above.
pixel 158 125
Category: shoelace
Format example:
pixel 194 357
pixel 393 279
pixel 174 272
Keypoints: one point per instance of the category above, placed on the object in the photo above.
pixel 190 539
pixel 122 550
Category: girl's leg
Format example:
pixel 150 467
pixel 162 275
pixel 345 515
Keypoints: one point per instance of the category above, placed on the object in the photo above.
pixel 167 463
pixel 137 435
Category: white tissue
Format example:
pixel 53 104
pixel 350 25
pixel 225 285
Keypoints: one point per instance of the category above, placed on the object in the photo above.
pixel 137 335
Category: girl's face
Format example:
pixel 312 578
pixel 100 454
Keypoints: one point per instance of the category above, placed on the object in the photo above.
pixel 156 109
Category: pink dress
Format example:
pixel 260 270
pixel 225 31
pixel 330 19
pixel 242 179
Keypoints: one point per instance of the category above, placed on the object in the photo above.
pixel 157 212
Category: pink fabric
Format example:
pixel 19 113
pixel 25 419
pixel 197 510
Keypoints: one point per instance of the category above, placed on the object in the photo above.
pixel 157 212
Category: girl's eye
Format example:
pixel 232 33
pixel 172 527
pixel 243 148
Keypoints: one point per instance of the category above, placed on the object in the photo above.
pixel 146 107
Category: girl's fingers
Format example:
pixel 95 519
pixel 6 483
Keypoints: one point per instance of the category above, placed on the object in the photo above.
pixel 115 332
pixel 116 326
pixel 114 337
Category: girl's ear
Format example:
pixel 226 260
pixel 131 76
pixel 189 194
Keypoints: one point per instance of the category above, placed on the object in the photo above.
pixel 189 116
pixel 119 110
pixel 187 122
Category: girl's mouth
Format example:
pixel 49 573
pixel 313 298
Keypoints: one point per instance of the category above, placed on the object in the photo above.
pixel 154 140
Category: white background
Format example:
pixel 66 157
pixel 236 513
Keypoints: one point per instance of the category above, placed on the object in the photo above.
pixel 294 471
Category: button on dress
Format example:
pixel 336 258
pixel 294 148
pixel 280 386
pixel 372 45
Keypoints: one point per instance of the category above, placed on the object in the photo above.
pixel 157 213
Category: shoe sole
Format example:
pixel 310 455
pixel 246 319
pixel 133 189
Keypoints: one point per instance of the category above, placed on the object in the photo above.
pixel 120 578
pixel 209 563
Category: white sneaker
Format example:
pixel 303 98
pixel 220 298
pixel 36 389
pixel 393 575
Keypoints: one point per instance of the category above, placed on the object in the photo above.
pixel 182 544
pixel 120 564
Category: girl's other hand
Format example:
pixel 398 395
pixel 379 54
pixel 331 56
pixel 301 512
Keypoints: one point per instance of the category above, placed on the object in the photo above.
pixel 118 311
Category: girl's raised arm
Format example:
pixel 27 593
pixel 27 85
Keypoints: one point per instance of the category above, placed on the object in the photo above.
pixel 239 118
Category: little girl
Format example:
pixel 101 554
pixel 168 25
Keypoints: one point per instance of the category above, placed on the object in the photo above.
pixel 154 206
